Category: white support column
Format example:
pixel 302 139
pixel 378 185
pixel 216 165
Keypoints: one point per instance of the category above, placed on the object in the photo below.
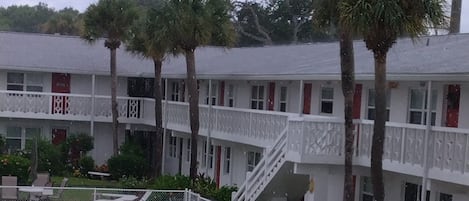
pixel 300 100
pixel 165 124
pixel 207 148
pixel 426 139
pixel 93 84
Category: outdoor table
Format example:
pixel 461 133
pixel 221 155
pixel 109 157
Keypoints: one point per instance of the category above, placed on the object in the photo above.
pixel 32 190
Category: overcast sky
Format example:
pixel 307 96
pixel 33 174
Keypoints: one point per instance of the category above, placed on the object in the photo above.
pixel 81 5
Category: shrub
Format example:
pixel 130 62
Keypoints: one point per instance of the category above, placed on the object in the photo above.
pixel 224 193
pixel 15 166
pixel 133 183
pixel 49 157
pixel 168 182
pixel 205 186
pixel 2 144
pixel 86 164
pixel 131 148
pixel 128 165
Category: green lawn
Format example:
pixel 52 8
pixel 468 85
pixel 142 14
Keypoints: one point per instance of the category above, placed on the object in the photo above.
pixel 82 195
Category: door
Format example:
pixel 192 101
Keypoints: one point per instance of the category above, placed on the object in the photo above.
pixel 60 84
pixel 452 108
pixel 307 98
pixel 58 136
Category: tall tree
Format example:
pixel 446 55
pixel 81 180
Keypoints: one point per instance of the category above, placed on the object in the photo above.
pixel 327 14
pixel 26 18
pixel 111 19
pixel 67 21
pixel 380 23
pixel 455 21
pixel 149 40
pixel 191 24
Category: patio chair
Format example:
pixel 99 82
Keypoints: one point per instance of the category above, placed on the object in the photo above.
pixel 58 195
pixel 9 193
pixel 43 179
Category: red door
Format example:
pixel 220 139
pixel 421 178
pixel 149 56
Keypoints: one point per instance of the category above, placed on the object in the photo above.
pixel 307 98
pixel 452 109
pixel 58 136
pixel 60 84
pixel 218 165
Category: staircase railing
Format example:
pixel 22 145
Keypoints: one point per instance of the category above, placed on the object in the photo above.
pixel 265 170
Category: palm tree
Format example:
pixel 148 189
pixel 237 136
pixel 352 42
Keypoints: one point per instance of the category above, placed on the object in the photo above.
pixel 455 22
pixel 191 24
pixel 111 19
pixel 326 15
pixel 380 23
pixel 149 41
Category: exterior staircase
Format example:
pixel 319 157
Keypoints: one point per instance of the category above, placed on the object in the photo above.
pixel 257 180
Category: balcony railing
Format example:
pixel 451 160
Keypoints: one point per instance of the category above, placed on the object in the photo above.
pixel 322 141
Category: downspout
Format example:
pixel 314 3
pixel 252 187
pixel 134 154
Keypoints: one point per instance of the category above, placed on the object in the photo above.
pixel 93 84
pixel 300 100
pixel 426 139
pixel 207 147
pixel 165 124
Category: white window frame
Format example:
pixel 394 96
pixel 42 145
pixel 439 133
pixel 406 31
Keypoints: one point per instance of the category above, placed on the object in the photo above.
pixel 188 150
pixel 363 188
pixel 172 147
pixel 258 99
pixel 281 100
pixel 213 98
pixel 27 82
pixel 175 91
pixel 326 100
pixel 230 94
pixel 370 105
pixel 256 158
pixel 227 153
pixel 24 135
pixel 423 110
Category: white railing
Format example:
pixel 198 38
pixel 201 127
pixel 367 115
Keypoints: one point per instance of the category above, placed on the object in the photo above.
pixel 257 180
pixel 321 141
pixel 92 194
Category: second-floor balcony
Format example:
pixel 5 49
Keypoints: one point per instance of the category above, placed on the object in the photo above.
pixel 309 139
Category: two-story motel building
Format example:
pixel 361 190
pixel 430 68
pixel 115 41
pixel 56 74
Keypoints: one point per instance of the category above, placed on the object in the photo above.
pixel 274 114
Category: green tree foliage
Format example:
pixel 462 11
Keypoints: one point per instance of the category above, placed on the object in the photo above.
pixel 67 21
pixel 278 22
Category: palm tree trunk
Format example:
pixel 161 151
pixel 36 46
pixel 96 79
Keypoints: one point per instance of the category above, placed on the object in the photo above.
pixel 379 126
pixel 193 109
pixel 115 114
pixel 455 21
pixel 347 64
pixel 157 142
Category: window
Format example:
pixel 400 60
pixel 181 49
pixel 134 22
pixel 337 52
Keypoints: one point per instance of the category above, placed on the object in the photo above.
pixel 366 189
pixel 172 147
pixel 418 106
pixel 327 100
pixel 210 156
pixel 188 156
pixel 227 163
pixel 283 99
pixel 212 98
pixel 445 197
pixel 140 87
pixel 257 97
pixel 413 192
pixel 24 82
pixel 253 160
pixel 371 113
pixel 175 91
pixel 17 137
pixel 231 95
